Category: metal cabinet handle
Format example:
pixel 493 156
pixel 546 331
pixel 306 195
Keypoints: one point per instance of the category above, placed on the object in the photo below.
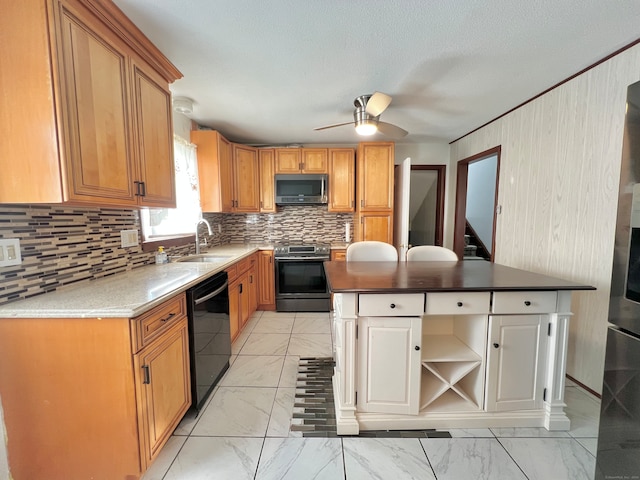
pixel 527 303
pixel 496 345
pixel 459 304
pixel 147 375
pixel 168 317
pixel 417 347
pixel 393 305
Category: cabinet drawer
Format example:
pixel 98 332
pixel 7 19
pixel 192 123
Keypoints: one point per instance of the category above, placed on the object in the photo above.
pixel 457 303
pixel 390 305
pixel 232 272
pixel 244 264
pixel 151 324
pixel 524 302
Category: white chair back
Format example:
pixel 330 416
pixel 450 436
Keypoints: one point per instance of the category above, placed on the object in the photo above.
pixel 431 253
pixel 371 251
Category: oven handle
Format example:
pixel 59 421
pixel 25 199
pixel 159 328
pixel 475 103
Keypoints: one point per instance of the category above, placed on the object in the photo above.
pixel 296 259
pixel 200 300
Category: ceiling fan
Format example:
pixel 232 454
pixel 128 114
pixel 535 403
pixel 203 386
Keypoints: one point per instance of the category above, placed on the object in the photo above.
pixel 366 116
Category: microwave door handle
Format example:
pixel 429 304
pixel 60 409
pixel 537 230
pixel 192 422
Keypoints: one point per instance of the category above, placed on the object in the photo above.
pixel 323 189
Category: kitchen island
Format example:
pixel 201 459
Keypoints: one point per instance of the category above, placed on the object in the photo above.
pixel 448 345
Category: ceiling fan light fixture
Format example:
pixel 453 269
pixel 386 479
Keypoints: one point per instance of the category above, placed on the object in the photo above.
pixel 366 129
pixel 366 125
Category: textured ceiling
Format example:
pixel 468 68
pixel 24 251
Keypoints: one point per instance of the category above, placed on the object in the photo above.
pixel 268 72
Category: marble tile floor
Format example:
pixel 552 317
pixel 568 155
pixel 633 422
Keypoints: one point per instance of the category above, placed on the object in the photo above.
pixel 244 430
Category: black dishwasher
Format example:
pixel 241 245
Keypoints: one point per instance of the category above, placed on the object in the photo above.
pixel 209 335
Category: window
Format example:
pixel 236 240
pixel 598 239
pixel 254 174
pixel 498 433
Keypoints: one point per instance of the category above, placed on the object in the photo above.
pixel 164 223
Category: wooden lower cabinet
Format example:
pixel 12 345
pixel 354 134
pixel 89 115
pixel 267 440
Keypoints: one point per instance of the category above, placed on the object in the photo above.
pixel 77 401
pixel 338 254
pixel 266 281
pixel 243 292
pixel 162 379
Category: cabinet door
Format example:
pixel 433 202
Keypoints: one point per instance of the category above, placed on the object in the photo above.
pixel 266 282
pixel 515 362
pixel 341 180
pixel 253 289
pixel 267 167
pixel 376 226
pixel 314 160
pixel 288 160
pixel 245 299
pixel 389 364
pixel 154 143
pixel 375 176
pixel 234 309
pixel 96 107
pixel 162 379
pixel 247 183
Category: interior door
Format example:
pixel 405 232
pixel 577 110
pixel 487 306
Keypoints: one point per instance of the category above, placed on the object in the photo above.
pixel 401 202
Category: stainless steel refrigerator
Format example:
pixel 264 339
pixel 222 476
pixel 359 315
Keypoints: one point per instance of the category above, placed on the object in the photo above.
pixel 619 434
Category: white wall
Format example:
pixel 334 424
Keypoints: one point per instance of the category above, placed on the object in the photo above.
pixel 559 174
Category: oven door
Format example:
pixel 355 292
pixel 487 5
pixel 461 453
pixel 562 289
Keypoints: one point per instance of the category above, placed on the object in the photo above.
pixel 301 285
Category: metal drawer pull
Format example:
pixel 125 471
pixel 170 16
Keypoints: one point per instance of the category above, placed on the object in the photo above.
pixel 527 303
pixel 147 375
pixel 417 347
pixel 393 305
pixel 459 304
pixel 169 317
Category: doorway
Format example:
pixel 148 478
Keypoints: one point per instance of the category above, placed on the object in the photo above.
pixel 426 204
pixel 476 205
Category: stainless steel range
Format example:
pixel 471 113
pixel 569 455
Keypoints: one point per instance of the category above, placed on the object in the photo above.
pixel 301 285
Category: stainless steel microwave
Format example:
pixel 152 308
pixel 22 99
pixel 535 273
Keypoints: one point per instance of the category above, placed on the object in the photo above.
pixel 301 189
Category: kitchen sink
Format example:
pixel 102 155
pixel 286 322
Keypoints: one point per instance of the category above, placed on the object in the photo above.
pixel 205 258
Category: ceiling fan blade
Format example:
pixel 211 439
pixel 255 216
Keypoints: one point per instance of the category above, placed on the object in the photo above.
pixel 391 130
pixel 334 125
pixel 377 104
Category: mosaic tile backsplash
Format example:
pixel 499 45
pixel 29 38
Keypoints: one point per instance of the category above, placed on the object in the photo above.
pixel 64 245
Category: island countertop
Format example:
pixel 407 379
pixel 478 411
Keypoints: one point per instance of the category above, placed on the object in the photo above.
pixel 408 277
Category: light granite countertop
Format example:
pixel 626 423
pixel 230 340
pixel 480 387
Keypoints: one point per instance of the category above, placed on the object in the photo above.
pixel 126 294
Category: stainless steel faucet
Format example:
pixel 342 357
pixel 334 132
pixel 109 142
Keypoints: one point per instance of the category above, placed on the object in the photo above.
pixel 202 220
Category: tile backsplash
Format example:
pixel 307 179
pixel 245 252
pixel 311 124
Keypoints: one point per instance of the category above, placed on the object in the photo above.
pixel 63 245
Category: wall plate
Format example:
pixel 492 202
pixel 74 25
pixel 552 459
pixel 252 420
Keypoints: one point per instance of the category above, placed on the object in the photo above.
pixel 10 252
pixel 128 238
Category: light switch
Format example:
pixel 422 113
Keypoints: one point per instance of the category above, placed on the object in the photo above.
pixel 10 252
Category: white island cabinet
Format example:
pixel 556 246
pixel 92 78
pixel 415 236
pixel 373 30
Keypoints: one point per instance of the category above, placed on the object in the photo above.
pixel 407 359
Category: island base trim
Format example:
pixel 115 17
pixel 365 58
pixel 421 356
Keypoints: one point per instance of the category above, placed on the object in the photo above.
pixel 346 422
pixel 519 419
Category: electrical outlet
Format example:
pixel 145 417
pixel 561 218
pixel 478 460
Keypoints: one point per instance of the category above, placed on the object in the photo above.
pixel 219 228
pixel 10 252
pixel 128 238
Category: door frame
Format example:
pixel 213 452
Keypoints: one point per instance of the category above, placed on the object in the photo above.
pixel 461 199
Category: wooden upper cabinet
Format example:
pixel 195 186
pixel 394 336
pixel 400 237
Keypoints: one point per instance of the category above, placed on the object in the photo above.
pixel 301 160
pixel 96 128
pixel 154 127
pixel 341 180
pixel 215 170
pixel 288 160
pixel 247 182
pixel 314 160
pixel 375 176
pixel 266 159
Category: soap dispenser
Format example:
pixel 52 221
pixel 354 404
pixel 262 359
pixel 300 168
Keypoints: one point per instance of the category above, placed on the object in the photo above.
pixel 161 256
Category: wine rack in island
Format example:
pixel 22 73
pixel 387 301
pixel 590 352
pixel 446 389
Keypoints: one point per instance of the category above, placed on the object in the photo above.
pixel 453 362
